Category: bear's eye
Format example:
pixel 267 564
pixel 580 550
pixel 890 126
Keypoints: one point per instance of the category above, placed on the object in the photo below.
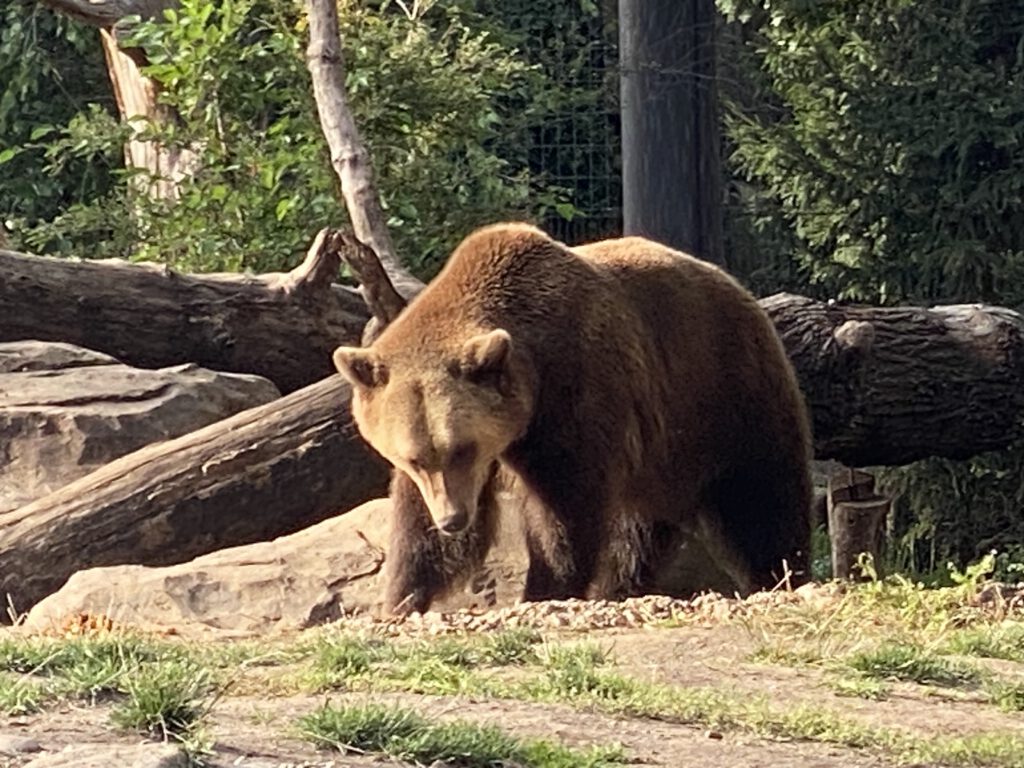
pixel 462 455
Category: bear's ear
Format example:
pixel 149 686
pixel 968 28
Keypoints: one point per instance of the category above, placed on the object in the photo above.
pixel 486 356
pixel 360 366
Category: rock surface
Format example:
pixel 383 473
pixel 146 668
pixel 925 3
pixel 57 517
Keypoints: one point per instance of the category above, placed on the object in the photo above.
pixel 307 578
pixel 321 574
pixel 64 411
pixel 18 745
pixel 95 755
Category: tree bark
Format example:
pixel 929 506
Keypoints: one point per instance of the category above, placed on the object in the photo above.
pixel 283 327
pixel 893 385
pixel 349 156
pixel 257 475
pixel 671 182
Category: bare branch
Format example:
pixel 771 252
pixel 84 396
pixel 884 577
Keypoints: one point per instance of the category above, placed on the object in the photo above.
pixel 349 156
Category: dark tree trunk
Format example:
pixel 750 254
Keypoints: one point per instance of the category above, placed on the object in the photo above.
pixel 670 146
pixel 283 327
pixel 254 476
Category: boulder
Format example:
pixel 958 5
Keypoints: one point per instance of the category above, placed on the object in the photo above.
pixel 311 577
pixel 65 411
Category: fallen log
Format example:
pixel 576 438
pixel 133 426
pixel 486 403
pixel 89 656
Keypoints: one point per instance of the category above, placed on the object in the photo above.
pixel 280 326
pixel 891 385
pixel 257 475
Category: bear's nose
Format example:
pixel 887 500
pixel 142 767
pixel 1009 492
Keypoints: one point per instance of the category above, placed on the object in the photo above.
pixel 454 522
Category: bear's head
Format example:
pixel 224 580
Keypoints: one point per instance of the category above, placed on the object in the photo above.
pixel 443 414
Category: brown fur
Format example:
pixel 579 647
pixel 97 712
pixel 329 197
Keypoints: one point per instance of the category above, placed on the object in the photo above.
pixel 638 395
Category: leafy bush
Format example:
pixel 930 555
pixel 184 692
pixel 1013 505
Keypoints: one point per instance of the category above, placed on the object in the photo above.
pixel 432 96
pixel 882 142
pixel 51 70
pixel 891 141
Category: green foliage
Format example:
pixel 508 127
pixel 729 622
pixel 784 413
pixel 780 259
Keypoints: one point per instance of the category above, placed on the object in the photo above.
pixel 51 70
pixel 432 96
pixel 948 511
pixel 19 696
pixel 166 701
pixel 405 735
pixel 913 664
pixel 891 143
pixel 1001 641
pixel 881 145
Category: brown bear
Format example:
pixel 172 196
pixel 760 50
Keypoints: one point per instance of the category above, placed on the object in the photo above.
pixel 633 394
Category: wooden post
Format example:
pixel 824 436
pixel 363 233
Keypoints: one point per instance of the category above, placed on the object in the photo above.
pixel 670 164
pixel 856 514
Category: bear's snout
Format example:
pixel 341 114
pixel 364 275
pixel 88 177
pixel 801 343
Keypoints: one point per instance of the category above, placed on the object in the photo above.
pixel 454 522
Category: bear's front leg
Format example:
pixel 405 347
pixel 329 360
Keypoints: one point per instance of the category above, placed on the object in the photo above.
pixel 422 564
pixel 414 570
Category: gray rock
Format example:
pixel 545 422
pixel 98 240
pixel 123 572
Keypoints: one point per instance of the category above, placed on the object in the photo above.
pixel 18 745
pixel 88 755
pixel 65 411
pixel 307 578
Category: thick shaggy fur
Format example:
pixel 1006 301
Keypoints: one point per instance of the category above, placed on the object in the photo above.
pixel 639 396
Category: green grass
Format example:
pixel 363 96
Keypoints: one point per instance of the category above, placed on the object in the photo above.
pixel 405 735
pixel 584 676
pixel 156 687
pixel 166 700
pixel 998 641
pixel 909 663
pixel 1009 697
pixel 861 688
pixel 441 666
pixel 19 695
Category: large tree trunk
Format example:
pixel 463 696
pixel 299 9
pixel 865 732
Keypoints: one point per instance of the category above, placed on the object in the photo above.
pixel 671 184
pixel 252 477
pixel 283 327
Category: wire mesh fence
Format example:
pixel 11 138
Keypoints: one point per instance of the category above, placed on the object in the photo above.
pixel 576 147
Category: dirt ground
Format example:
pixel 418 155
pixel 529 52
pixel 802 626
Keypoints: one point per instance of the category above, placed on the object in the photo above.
pixel 257 730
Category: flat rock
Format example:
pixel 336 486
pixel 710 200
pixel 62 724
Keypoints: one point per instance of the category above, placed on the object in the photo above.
pixel 18 745
pixel 296 581
pixel 90 755
pixel 65 411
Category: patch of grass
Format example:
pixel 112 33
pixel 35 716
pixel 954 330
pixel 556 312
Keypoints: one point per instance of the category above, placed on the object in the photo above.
pixel 405 735
pixel 574 670
pixel 160 690
pixel 996 641
pixel 911 663
pixel 861 688
pixel 18 695
pixel 780 653
pixel 341 660
pixel 511 647
pixel 441 666
pixel 87 657
pixel 169 701
pixel 1009 697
